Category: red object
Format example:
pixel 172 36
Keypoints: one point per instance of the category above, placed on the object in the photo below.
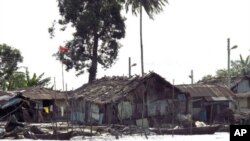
pixel 63 49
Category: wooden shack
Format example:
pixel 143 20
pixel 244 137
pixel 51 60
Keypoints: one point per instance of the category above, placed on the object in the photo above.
pixel 242 93
pixel 145 101
pixel 51 104
pixel 208 101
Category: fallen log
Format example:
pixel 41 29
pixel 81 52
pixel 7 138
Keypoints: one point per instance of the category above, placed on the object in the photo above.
pixel 56 136
pixel 36 130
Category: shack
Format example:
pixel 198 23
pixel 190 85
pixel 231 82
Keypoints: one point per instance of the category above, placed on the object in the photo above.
pixel 50 105
pixel 14 104
pixel 144 101
pixel 208 102
pixel 242 92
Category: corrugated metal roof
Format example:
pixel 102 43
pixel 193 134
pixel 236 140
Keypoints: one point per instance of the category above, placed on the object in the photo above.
pixel 213 92
pixel 217 98
pixel 5 97
pixel 223 81
pixel 243 95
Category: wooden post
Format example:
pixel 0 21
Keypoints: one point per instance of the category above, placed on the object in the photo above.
pixel 142 115
pixel 191 124
pixel 37 112
pixel 55 111
pixel 143 102
pixel 91 119
pixel 121 113
pixel 72 105
pixel 173 108
pixel 211 113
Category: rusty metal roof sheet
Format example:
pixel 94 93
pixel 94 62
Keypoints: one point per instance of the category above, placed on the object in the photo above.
pixel 212 92
pixel 224 81
pixel 243 95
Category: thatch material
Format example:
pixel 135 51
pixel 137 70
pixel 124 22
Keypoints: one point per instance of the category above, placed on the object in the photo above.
pixel 108 89
pixel 41 93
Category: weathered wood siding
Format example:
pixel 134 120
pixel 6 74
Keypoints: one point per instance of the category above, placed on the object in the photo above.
pixel 243 86
pixel 243 102
pixel 77 110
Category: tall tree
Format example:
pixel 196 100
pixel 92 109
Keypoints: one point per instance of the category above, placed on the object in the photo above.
pixel 9 59
pixel 151 7
pixel 98 25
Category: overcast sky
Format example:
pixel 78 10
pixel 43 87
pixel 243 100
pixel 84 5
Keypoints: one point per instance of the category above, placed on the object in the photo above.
pixel 188 34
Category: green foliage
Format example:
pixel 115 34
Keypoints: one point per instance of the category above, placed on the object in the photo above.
pixel 10 78
pixel 207 77
pixel 221 73
pixel 22 80
pixel 244 65
pixel 9 59
pixel 238 68
pixel 98 25
pixel 16 80
pixel 36 80
pixel 151 7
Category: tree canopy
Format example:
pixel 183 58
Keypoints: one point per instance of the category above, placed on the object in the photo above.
pixel 98 25
pixel 22 80
pixel 238 68
pixel 36 80
pixel 9 59
pixel 10 77
pixel 151 7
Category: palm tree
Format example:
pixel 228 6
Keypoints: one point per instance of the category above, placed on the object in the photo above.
pixel 245 65
pixel 22 80
pixel 36 80
pixel 151 7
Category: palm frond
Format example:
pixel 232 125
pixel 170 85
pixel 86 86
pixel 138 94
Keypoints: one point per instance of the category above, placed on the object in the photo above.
pixel 151 7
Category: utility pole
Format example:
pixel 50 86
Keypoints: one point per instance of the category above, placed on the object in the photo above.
pixel 54 83
pixel 62 79
pixel 228 61
pixel 191 76
pixel 129 67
